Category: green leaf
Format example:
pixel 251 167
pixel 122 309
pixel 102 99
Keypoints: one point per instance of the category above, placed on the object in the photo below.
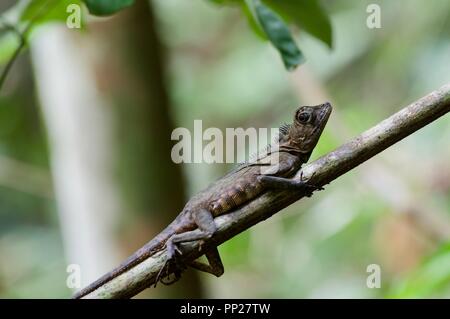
pixel 41 11
pixel 254 25
pixel 107 7
pixel 246 10
pixel 307 15
pixel 278 33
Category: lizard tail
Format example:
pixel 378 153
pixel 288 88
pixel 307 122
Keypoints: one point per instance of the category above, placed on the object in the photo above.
pixel 140 255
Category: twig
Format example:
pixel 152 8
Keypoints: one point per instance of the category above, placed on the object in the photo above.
pixel 15 55
pixel 320 172
pixel 22 36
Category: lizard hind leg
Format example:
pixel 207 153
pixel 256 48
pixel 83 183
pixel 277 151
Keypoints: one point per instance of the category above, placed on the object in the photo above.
pixel 204 220
pixel 206 228
pixel 214 266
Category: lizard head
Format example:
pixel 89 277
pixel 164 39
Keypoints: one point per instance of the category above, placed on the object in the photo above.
pixel 308 124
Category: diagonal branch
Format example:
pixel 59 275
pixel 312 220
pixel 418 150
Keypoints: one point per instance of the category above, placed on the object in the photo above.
pixel 320 172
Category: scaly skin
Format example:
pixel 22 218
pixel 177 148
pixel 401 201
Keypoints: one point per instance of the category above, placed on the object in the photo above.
pixel 270 170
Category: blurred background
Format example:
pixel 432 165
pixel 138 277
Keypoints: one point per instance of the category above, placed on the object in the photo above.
pixel 85 170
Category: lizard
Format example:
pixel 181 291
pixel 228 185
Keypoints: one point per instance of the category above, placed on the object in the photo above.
pixel 269 170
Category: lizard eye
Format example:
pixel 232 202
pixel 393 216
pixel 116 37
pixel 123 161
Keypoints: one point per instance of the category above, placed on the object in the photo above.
pixel 303 117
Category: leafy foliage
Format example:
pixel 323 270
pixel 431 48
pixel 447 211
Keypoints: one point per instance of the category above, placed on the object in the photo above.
pixel 33 14
pixel 278 34
pixel 107 7
pixel 307 15
pixel 46 10
pixel 267 18
pixel 37 12
pixel 41 11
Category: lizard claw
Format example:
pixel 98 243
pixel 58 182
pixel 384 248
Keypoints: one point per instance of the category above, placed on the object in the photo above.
pixel 201 243
pixel 158 276
pixel 172 252
pixel 177 249
pixel 169 282
pixel 173 249
pixel 309 189
pixel 165 268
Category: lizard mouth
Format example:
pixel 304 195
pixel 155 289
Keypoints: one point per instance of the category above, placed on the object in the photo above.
pixel 322 116
pixel 325 111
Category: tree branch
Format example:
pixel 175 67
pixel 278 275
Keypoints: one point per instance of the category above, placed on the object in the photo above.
pixel 320 172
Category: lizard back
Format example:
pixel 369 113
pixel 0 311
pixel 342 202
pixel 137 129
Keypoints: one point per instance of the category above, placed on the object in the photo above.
pixel 240 185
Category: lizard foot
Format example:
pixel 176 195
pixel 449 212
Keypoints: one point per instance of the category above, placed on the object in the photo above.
pixel 168 281
pixel 173 262
pixel 308 188
pixel 201 244
pixel 164 276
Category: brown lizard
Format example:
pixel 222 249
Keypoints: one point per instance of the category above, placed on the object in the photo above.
pixel 271 169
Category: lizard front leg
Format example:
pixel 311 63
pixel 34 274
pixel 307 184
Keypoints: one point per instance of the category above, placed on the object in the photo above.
pixel 287 183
